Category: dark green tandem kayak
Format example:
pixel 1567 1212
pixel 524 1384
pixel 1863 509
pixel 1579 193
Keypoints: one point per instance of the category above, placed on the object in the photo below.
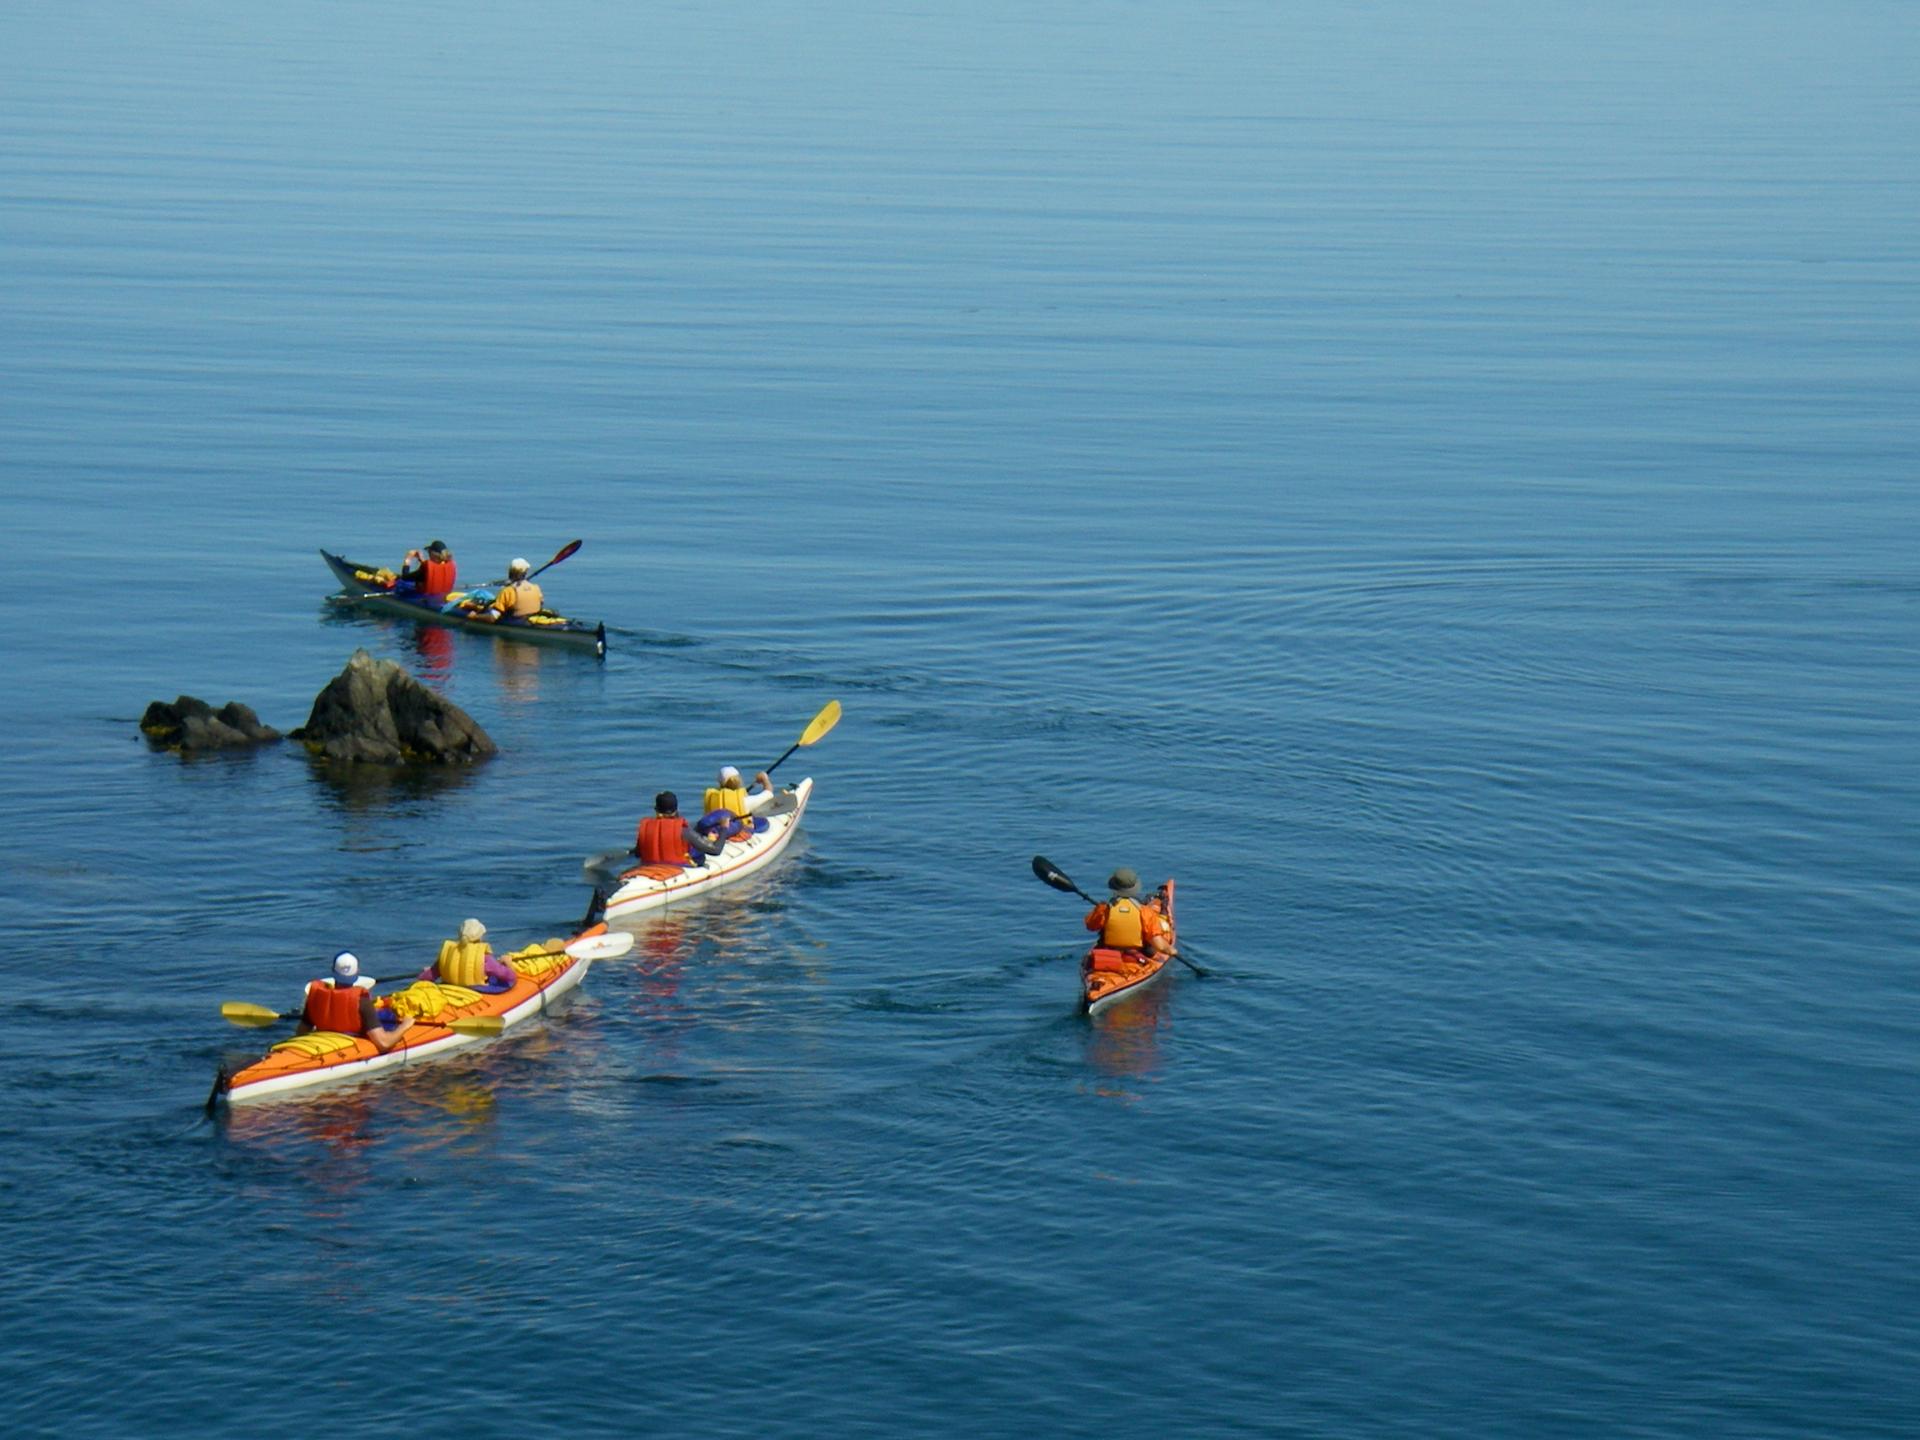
pixel 359 587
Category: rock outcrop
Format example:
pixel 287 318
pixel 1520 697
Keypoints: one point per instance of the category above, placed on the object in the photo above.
pixel 190 723
pixel 374 713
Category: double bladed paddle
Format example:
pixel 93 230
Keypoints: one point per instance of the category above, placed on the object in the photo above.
pixel 1053 875
pixel 255 1017
pixel 817 728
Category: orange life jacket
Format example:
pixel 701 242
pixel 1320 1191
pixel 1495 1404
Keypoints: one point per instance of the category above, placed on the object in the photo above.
pixel 334 1007
pixel 662 840
pixel 437 576
pixel 1124 929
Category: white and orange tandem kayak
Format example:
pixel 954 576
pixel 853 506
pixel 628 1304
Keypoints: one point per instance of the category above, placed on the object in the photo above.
pixel 319 1058
pixel 641 888
pixel 1108 976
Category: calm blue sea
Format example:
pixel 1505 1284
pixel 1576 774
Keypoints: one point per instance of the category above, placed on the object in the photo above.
pixel 1439 481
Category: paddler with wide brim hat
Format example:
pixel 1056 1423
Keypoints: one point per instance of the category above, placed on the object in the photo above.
pixel 1123 923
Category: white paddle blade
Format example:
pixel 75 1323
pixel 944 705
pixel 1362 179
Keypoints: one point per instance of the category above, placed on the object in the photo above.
pixel 606 865
pixel 610 946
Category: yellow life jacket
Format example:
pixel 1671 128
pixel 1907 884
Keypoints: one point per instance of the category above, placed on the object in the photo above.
pixel 1124 930
pixel 732 797
pixel 519 600
pixel 462 962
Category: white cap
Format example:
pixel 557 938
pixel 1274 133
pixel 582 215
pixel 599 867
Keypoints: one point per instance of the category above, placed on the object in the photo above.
pixel 729 772
pixel 516 565
pixel 346 968
pixel 472 930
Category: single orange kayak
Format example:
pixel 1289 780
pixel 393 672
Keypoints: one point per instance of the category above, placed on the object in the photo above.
pixel 327 1058
pixel 1107 975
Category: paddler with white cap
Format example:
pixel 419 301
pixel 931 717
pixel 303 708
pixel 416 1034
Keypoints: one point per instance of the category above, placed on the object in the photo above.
pixel 518 599
pixel 732 794
pixel 343 1003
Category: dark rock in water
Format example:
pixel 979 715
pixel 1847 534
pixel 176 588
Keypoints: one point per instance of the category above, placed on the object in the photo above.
pixel 374 713
pixel 190 723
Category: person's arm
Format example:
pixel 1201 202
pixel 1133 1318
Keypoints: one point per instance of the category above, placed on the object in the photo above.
pixel 1153 929
pixel 1096 917
pixel 704 844
pixel 764 795
pixel 384 1037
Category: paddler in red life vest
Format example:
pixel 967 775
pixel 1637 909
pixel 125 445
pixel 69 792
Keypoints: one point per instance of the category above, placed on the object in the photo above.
pixel 518 599
pixel 664 838
pixel 433 573
pixel 1123 922
pixel 470 962
pixel 344 1004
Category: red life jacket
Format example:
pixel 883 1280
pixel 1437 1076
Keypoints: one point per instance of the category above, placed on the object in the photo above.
pixel 662 840
pixel 437 576
pixel 334 1007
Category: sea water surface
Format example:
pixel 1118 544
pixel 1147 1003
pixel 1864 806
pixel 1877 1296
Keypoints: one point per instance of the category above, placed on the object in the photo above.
pixel 1439 481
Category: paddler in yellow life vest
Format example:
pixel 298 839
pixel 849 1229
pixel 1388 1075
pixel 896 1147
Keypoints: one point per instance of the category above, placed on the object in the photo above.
pixel 518 599
pixel 1123 923
pixel 468 961
pixel 732 794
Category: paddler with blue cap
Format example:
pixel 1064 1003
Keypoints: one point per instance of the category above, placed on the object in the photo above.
pixel 342 1003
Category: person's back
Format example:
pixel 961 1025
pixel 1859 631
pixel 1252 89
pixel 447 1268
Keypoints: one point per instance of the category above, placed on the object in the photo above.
pixel 731 793
pixel 333 1006
pixel 519 598
pixel 343 1004
pixel 662 836
pixel 665 837
pixel 1123 922
pixel 432 573
pixel 439 574
pixel 463 961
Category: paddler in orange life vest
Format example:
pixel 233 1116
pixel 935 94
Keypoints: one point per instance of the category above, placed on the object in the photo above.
pixel 664 838
pixel 344 1003
pixel 518 599
pixel 1123 923
pixel 470 962
pixel 433 573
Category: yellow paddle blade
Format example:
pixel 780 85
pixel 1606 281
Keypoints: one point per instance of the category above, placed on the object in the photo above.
pixel 239 1012
pixel 822 723
pixel 477 1025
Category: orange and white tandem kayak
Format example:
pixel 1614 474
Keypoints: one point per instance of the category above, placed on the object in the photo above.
pixel 1107 976
pixel 653 887
pixel 327 1058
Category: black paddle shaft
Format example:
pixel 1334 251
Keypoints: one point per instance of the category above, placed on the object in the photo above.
pixel 1053 875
